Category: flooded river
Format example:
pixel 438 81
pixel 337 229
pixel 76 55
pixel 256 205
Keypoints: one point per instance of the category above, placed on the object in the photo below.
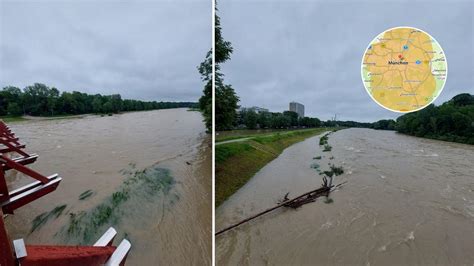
pixel 407 201
pixel 159 161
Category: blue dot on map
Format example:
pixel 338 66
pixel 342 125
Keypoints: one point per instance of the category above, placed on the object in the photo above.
pixel 405 47
pixel 418 62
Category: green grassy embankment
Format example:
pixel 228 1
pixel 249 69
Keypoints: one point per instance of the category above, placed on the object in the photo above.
pixel 237 162
pixel 10 119
pixel 245 133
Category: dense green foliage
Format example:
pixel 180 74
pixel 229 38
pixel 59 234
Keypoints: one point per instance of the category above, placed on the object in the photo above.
pixel 226 101
pixel 451 121
pixel 385 124
pixel 205 102
pixel 267 120
pixel 338 123
pixel 41 100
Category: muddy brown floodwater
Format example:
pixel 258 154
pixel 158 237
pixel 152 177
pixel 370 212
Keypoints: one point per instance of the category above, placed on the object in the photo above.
pixel 408 201
pixel 168 222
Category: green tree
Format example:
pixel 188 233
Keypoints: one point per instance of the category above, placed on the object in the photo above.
pixel 116 102
pixel 463 99
pixel 52 100
pixel 14 109
pixel 451 121
pixel 226 98
pixel 107 107
pixel 264 119
pixel 292 116
pixel 97 105
pixel 36 99
pixel 250 118
pixel 8 95
pixel 205 102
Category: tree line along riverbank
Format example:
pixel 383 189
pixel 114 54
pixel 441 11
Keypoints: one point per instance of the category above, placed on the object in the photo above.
pixel 41 100
pixel 450 121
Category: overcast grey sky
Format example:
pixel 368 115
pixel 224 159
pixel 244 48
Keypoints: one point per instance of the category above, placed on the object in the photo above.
pixel 146 50
pixel 311 51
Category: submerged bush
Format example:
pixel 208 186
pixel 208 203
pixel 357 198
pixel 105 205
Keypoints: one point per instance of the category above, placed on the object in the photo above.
pixel 148 182
pixel 323 140
pixel 334 170
pixel 41 219
pixel 328 200
pixel 327 147
pixel 86 194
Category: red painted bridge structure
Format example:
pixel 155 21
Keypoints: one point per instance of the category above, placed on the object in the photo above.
pixel 14 157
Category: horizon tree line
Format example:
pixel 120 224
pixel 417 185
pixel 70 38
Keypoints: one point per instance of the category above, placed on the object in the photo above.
pixel 41 100
pixel 274 120
pixel 450 121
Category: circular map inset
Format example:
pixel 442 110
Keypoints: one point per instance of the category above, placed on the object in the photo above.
pixel 404 69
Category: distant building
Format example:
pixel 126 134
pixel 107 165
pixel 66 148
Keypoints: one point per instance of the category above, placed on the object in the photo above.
pixel 297 108
pixel 256 109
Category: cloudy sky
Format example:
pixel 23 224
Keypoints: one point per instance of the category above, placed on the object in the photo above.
pixel 146 50
pixel 311 51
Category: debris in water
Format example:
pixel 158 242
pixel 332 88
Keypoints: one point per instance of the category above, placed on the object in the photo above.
pixel 292 203
pixel 41 219
pixel 86 194
pixel 328 200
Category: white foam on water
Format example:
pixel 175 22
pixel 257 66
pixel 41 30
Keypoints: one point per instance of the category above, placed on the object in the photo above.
pixel 326 225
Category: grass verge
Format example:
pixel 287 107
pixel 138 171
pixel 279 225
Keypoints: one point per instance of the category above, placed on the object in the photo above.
pixel 237 162
pixel 10 119
pixel 245 133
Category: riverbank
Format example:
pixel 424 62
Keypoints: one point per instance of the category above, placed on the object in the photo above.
pixel 14 119
pixel 224 136
pixel 237 162
pixel 24 118
pixel 446 138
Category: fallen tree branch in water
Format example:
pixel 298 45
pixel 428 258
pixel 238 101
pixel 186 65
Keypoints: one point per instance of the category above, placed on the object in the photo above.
pixel 292 203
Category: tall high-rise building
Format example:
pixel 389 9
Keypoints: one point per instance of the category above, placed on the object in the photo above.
pixel 297 108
